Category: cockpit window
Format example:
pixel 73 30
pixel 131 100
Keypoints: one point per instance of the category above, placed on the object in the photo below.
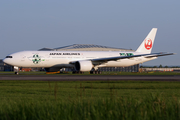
pixel 8 56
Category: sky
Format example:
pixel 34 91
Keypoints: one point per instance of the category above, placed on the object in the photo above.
pixel 35 24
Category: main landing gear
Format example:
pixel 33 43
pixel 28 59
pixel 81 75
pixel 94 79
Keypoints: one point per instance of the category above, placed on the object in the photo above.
pixel 91 72
pixel 95 72
pixel 77 72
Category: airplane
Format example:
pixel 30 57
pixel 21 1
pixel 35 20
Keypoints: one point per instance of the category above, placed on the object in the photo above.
pixel 82 61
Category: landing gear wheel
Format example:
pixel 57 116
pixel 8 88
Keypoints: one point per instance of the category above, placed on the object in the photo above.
pixel 77 72
pixel 74 72
pixel 91 72
pixel 95 72
pixel 16 73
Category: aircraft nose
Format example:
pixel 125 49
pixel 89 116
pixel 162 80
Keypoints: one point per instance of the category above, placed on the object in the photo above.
pixel 5 60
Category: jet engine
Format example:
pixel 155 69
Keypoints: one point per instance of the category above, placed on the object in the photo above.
pixel 83 66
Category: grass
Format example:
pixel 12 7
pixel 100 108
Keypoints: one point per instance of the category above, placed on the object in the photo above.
pixel 153 107
pixel 91 100
pixel 87 89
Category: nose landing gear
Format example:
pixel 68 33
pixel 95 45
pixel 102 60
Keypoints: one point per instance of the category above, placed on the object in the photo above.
pixel 16 70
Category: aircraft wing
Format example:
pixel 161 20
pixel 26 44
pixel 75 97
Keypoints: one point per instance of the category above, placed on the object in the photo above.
pixel 98 61
pixel 133 56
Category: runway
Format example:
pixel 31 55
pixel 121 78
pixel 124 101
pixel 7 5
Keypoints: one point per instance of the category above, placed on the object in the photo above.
pixel 90 77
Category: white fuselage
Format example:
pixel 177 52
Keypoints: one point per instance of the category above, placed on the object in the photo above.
pixel 63 58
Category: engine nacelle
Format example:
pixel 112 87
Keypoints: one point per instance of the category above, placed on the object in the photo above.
pixel 83 66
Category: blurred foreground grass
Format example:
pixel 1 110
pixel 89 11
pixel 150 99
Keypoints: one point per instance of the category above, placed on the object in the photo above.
pixel 27 100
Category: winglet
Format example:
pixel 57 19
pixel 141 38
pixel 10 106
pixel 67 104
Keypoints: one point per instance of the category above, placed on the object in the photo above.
pixel 147 44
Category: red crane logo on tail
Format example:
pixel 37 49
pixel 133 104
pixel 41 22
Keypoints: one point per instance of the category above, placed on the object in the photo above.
pixel 148 43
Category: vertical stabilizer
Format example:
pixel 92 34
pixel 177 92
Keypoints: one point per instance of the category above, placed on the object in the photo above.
pixel 147 44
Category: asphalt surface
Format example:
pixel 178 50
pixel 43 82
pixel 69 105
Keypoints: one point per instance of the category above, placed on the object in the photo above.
pixel 90 77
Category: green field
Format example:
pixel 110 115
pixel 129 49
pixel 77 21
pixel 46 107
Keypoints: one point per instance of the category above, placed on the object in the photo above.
pixel 89 100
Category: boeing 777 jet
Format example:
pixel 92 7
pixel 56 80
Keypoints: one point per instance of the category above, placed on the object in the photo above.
pixel 85 60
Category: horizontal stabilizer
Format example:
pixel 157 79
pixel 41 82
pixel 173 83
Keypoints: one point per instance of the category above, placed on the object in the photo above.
pixel 158 55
